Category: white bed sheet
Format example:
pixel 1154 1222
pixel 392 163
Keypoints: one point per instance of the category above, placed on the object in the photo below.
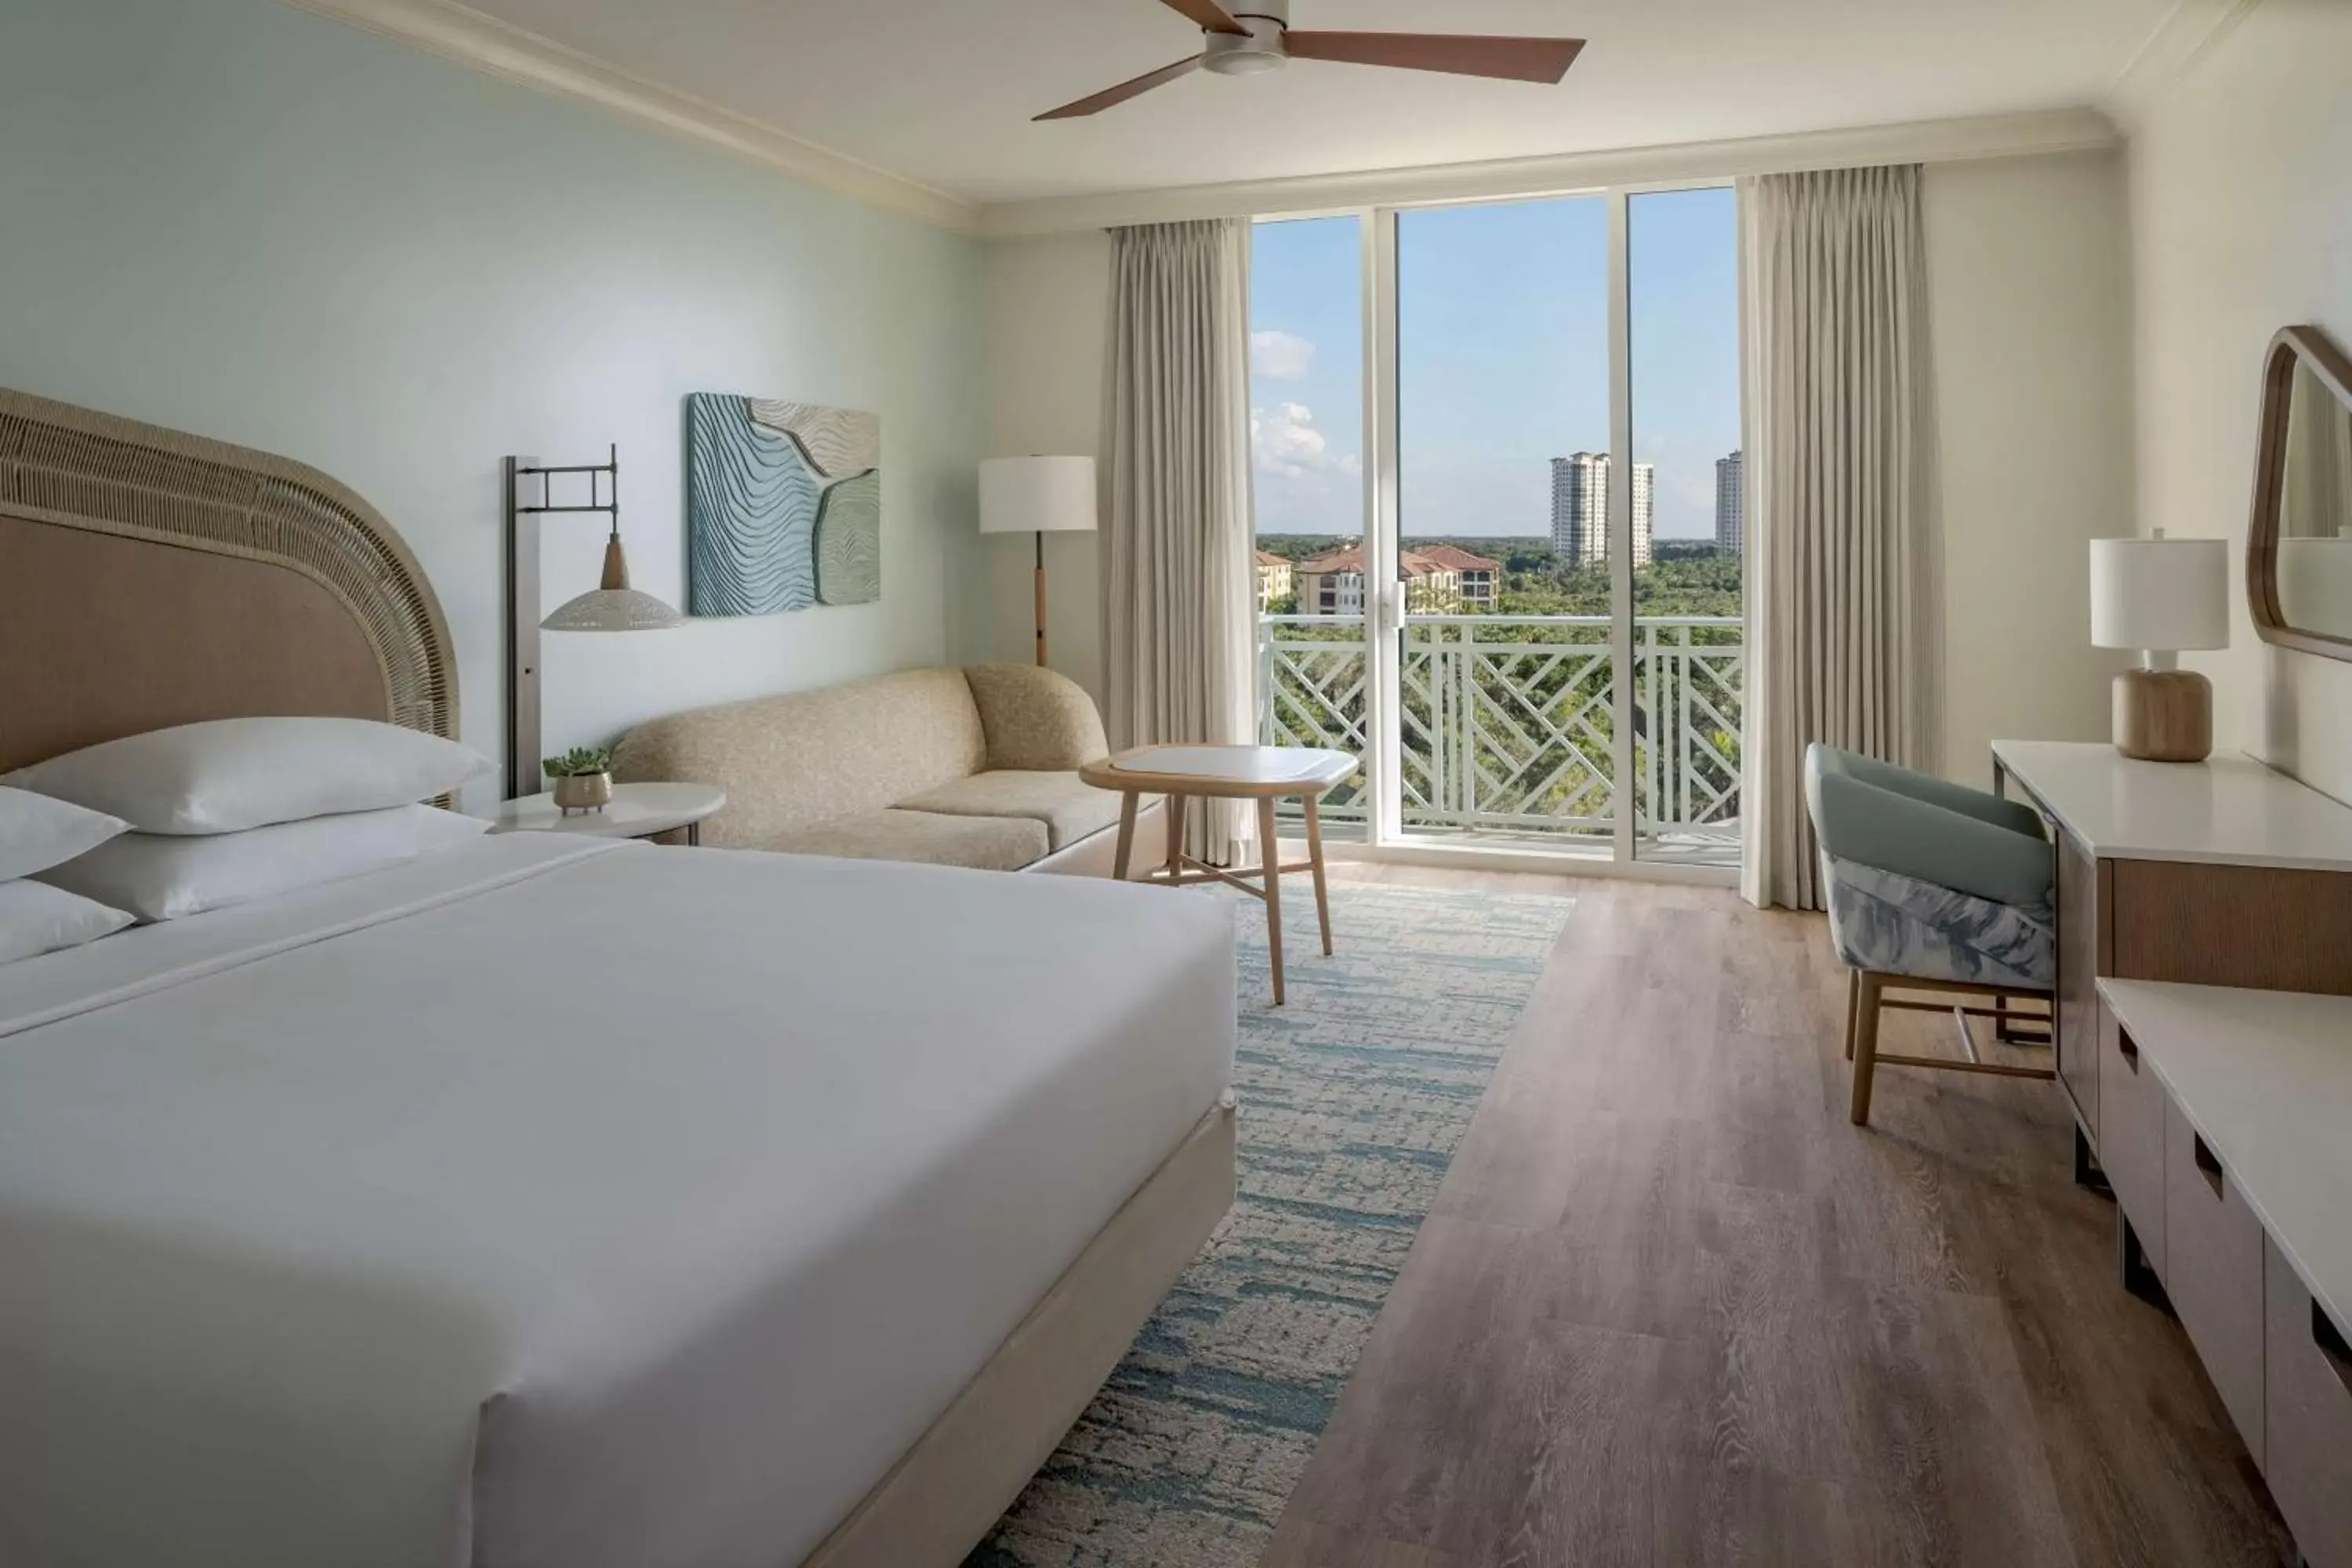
pixel 551 1204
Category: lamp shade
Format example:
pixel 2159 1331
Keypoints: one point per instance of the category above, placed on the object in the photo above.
pixel 2162 594
pixel 612 607
pixel 1038 495
pixel 612 610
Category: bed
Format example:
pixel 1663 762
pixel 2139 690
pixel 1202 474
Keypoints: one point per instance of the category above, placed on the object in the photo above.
pixel 540 1203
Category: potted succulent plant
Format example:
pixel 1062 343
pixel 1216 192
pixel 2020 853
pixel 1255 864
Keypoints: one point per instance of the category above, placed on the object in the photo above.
pixel 584 778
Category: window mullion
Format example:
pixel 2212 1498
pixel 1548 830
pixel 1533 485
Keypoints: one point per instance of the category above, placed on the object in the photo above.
pixel 1624 792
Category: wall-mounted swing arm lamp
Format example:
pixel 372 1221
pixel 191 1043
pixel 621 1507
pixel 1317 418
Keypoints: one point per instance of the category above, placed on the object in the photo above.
pixel 612 606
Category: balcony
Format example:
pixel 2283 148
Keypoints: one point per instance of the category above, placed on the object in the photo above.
pixel 1509 726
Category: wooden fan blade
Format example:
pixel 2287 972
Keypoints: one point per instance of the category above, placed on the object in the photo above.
pixel 1512 59
pixel 1123 91
pixel 1207 14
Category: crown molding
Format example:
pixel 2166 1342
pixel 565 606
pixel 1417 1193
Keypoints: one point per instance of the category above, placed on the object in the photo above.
pixel 458 33
pixel 1920 141
pixel 2190 31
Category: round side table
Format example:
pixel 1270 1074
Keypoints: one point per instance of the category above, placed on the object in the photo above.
pixel 637 811
pixel 1260 773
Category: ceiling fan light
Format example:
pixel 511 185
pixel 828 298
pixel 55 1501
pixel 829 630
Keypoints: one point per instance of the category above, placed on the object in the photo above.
pixel 1245 54
pixel 1243 64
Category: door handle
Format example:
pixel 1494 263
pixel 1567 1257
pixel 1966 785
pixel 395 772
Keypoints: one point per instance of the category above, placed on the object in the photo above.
pixel 2331 1346
pixel 2129 1051
pixel 2208 1165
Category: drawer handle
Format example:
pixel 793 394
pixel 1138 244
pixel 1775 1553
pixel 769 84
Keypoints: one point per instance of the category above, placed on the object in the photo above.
pixel 2130 1050
pixel 2208 1165
pixel 2331 1342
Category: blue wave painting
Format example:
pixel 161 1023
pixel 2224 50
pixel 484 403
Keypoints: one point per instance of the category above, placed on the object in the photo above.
pixel 752 508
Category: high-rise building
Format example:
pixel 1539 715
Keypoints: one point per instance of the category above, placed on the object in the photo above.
pixel 1579 509
pixel 1730 504
pixel 1645 509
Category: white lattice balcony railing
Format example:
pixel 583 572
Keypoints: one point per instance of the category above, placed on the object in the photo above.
pixel 1508 722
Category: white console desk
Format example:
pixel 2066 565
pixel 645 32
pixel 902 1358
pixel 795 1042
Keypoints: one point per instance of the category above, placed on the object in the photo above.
pixel 2225 872
pixel 2205 1042
pixel 2228 1121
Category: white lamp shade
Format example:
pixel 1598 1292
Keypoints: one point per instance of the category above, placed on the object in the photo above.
pixel 1034 495
pixel 2164 594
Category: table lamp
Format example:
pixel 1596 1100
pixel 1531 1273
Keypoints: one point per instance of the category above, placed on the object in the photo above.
pixel 1039 496
pixel 2162 596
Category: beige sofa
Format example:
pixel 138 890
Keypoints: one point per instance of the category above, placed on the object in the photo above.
pixel 957 767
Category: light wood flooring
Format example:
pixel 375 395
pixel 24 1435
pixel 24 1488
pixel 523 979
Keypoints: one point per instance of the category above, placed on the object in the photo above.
pixel 1672 1308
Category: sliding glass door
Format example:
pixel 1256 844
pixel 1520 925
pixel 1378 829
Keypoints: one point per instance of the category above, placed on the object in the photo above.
pixel 1514 583
pixel 1689 564
pixel 1504 720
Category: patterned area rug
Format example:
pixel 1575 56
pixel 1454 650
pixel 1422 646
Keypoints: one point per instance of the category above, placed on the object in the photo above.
pixel 1353 1098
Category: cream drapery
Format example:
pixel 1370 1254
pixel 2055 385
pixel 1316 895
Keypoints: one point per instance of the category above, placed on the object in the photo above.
pixel 1177 588
pixel 1844 627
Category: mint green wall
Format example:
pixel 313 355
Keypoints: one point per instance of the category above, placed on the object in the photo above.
pixel 245 220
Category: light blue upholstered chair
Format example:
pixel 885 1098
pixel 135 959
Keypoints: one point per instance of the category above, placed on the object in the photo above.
pixel 1932 887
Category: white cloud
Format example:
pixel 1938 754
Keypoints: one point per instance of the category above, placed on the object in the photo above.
pixel 1286 444
pixel 1281 356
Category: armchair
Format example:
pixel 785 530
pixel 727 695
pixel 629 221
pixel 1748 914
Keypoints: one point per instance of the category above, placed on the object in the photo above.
pixel 1933 887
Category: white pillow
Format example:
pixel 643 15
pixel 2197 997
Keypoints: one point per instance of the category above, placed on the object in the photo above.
pixel 163 876
pixel 226 776
pixel 36 918
pixel 36 832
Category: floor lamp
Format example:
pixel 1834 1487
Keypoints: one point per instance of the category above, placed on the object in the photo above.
pixel 1039 496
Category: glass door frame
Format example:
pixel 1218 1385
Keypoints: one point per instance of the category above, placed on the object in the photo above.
pixel 1385 604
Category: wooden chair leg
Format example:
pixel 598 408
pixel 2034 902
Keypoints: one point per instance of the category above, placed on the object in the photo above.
pixel 1852 1006
pixel 1865 1045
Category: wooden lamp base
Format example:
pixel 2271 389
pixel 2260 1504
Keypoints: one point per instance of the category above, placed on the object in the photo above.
pixel 2164 715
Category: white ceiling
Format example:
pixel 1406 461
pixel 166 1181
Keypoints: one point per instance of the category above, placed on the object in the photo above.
pixel 941 91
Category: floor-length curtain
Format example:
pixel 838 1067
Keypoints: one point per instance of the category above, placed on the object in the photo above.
pixel 1178 602
pixel 1845 629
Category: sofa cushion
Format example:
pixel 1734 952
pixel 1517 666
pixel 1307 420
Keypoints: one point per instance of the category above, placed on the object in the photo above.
pixel 805 759
pixel 1069 808
pixel 984 843
pixel 1036 720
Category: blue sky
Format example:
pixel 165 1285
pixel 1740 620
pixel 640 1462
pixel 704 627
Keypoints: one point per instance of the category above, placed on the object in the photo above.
pixel 1503 350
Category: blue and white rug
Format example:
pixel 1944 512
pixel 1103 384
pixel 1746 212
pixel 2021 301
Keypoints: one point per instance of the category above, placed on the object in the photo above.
pixel 1353 1098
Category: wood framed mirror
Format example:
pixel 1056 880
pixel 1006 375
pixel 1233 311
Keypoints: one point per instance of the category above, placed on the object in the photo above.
pixel 2299 549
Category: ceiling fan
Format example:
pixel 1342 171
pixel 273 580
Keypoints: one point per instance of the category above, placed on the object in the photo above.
pixel 1242 43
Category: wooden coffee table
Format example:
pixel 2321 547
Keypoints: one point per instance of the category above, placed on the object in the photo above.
pixel 1262 774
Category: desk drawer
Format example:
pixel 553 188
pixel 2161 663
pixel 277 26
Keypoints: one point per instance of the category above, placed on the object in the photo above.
pixel 2131 1136
pixel 2213 1271
pixel 2308 1404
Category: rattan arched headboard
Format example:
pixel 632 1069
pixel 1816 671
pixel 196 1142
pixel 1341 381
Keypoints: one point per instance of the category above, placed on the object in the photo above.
pixel 149 577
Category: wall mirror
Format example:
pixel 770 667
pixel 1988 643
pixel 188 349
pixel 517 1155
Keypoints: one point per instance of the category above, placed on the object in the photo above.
pixel 2299 551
